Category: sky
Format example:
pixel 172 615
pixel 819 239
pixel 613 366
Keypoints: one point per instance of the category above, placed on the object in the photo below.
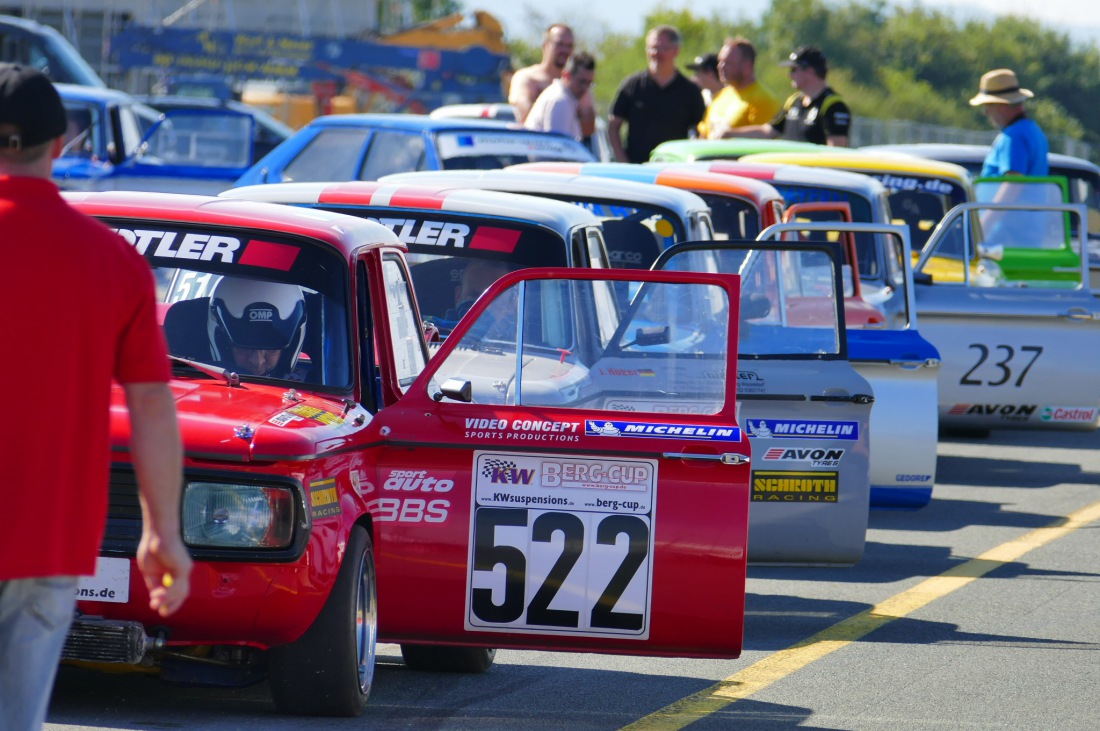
pixel 526 18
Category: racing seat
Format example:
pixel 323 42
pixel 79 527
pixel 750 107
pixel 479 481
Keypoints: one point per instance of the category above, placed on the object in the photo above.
pixel 185 329
pixel 434 284
pixel 630 244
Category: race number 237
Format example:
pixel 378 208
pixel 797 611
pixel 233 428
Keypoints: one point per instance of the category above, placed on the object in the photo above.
pixel 999 365
pixel 550 571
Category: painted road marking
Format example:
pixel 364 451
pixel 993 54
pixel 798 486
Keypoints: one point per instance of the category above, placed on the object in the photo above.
pixel 779 665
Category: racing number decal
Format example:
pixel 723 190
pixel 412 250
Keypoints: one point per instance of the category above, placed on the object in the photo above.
pixel 1004 360
pixel 581 567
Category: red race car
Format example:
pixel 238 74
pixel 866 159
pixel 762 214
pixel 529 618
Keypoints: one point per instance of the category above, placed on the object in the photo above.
pixel 537 484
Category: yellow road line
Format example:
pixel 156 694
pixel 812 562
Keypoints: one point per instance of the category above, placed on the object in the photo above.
pixel 779 665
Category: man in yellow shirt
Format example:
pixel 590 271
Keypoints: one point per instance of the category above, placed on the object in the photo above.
pixel 743 101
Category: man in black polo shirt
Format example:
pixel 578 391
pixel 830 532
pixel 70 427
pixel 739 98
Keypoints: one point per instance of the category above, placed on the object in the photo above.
pixel 815 113
pixel 657 104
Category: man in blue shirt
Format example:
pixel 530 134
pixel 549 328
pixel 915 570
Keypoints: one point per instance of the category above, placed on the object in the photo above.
pixel 1021 147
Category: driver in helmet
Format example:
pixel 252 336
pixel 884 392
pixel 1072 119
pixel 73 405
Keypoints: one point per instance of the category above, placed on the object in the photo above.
pixel 257 328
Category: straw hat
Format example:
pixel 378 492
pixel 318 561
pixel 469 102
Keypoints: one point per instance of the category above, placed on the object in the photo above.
pixel 1000 86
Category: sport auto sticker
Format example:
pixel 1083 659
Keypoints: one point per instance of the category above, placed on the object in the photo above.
pixel 561 544
pixel 412 496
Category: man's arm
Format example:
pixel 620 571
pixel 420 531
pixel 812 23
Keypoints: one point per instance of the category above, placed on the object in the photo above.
pixel 158 457
pixel 586 114
pixel 522 93
pixel 614 127
pixel 837 140
pixel 758 131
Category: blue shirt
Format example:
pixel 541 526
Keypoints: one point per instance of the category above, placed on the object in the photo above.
pixel 1020 147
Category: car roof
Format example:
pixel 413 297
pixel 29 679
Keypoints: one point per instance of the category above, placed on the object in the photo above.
pixel 413 122
pixel 179 101
pixel 685 150
pixel 342 232
pixel 678 176
pixel 553 214
pixel 974 153
pixel 680 202
pixel 92 94
pixel 778 174
pixel 856 161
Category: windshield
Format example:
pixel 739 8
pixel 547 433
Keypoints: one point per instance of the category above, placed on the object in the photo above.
pixel 862 212
pixel 625 346
pixel 732 218
pixel 492 150
pixel 790 303
pixel 84 135
pixel 271 307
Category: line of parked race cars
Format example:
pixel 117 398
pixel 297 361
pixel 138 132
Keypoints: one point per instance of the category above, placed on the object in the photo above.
pixel 585 456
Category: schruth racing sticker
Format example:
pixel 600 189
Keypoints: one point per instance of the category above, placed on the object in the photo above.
pixel 775 486
pixel 1072 414
pixel 661 431
pixel 795 429
pixel 579 536
pixel 312 412
pixel 816 457
pixel 324 501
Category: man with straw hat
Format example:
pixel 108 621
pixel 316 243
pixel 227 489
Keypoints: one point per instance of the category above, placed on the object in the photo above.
pixel 1021 147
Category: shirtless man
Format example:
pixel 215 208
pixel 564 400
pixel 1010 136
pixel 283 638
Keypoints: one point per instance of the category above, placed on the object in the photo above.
pixel 529 82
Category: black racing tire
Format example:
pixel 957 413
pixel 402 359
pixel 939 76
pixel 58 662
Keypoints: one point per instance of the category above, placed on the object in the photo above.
pixel 329 670
pixel 447 659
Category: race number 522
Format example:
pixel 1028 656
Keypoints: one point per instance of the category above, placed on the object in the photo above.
pixel 581 567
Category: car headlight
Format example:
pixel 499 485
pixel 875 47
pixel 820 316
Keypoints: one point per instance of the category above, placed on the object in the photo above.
pixel 226 515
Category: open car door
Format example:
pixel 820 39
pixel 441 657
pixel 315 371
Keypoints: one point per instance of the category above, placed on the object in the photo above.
pixel 1013 356
pixel 902 368
pixel 1034 247
pixel 568 474
pixel 805 408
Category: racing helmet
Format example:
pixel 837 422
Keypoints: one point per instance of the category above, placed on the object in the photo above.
pixel 249 313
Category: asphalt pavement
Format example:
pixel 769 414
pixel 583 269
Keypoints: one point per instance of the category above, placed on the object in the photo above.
pixel 980 611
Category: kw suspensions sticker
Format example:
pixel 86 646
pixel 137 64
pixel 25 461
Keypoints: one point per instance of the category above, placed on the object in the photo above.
pixel 562 545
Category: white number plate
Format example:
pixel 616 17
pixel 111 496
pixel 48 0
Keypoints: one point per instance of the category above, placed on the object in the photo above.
pixel 111 582
pixel 561 544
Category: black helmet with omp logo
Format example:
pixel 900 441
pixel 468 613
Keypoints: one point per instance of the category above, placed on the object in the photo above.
pixel 257 315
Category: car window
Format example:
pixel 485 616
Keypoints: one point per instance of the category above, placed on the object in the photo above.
pixel 495 149
pixel 84 135
pixel 732 218
pixel 333 154
pixel 393 152
pixel 866 250
pixel 408 355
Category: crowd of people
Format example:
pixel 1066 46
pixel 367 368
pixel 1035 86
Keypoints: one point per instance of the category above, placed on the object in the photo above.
pixel 723 98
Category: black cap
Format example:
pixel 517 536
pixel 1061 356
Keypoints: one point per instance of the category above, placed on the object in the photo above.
pixel 29 101
pixel 810 56
pixel 708 62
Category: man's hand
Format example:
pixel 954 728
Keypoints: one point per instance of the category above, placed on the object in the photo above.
pixel 166 567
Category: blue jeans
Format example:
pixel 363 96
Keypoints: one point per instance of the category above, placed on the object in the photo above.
pixel 35 615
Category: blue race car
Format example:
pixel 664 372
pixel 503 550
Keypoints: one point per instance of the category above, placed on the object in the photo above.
pixel 367 146
pixel 114 142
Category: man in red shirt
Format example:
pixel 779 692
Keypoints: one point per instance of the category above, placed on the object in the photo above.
pixel 82 314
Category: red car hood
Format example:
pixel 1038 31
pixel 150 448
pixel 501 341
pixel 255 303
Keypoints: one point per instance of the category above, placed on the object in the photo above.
pixel 249 422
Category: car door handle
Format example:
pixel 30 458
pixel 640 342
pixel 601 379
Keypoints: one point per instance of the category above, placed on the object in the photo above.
pixel 926 363
pixel 1078 313
pixel 724 458
pixel 856 398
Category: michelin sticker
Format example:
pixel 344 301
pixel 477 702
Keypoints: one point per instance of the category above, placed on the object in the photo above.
pixel 797 429
pixel 661 431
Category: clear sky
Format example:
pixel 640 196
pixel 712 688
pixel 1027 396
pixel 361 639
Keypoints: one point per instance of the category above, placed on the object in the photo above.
pixel 527 18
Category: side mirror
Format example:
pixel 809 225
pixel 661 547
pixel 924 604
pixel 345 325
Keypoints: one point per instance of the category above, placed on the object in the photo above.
pixel 457 389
